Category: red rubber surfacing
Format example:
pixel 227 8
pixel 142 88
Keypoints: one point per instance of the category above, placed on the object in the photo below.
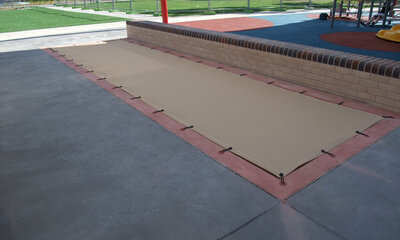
pixel 228 24
pixel 361 40
pixel 313 15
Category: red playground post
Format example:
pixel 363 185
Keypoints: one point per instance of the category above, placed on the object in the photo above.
pixel 164 11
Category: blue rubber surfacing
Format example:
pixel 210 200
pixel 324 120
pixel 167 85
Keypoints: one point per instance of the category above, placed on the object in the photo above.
pixel 300 29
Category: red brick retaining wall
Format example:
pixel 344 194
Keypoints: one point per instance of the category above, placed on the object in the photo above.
pixel 367 79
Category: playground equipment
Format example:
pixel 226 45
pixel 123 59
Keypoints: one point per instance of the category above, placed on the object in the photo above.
pixel 392 35
pixel 388 15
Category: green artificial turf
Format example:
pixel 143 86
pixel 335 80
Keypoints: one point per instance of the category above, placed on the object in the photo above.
pixel 38 18
pixel 149 6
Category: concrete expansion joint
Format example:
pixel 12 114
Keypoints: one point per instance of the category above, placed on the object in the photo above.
pixel 313 220
pixel 117 87
pixel 244 224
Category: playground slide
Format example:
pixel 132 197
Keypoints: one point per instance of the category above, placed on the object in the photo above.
pixel 392 35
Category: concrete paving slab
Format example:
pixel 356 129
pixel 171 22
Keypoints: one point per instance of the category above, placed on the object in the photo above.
pixel 62 31
pixel 360 199
pixel 62 39
pixel 78 163
pixel 284 223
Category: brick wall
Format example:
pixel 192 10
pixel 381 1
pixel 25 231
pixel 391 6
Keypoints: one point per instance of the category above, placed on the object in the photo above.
pixel 367 79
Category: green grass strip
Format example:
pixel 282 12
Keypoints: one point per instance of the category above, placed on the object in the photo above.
pixel 149 6
pixel 39 18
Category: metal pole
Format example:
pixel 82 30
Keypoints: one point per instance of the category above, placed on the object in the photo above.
pixel 113 4
pixel 387 7
pixel 280 3
pixel 131 5
pixel 164 11
pixel 98 4
pixel 341 8
pixel 248 3
pixel 66 2
pixel 309 4
pixel 348 8
pixel 360 6
pixel 333 13
pixel 84 3
pixel 209 5
pixel 371 9
pixel 380 4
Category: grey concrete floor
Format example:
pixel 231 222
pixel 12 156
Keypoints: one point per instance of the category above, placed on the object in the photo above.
pixel 78 163
pixel 358 200
pixel 36 39
pixel 361 198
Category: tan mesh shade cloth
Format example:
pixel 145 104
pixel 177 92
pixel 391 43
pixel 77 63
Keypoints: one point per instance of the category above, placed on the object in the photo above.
pixel 273 128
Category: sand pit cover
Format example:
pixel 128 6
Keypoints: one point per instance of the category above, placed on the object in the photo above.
pixel 271 127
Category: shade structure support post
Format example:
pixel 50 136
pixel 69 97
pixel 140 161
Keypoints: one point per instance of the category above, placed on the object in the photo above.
pixel 333 13
pixel 359 13
pixel 164 11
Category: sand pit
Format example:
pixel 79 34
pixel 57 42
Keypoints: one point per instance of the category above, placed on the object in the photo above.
pixel 273 128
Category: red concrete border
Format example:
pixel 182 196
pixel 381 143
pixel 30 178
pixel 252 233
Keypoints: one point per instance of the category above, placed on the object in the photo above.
pixel 297 179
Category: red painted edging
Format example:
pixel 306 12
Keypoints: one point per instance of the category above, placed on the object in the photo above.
pixel 296 180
